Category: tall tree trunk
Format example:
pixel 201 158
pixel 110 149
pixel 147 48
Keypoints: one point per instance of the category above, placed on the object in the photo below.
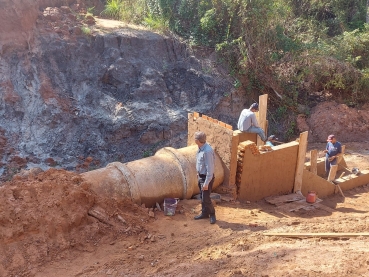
pixel 367 11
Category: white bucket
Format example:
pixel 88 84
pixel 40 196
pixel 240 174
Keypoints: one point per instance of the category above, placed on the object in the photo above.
pixel 170 205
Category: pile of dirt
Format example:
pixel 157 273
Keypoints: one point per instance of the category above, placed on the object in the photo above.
pixel 42 214
pixel 348 124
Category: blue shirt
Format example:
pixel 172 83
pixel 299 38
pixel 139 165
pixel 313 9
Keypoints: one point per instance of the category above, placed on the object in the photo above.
pixel 333 148
pixel 246 120
pixel 205 162
pixel 269 143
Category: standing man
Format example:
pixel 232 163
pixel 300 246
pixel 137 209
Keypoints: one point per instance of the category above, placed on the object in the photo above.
pixel 205 171
pixel 247 122
pixel 332 151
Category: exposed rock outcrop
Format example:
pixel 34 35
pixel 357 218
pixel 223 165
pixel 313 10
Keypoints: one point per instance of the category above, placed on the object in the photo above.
pixel 70 93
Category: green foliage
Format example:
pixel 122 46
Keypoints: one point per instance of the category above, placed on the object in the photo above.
pixel 113 9
pixel 155 23
pixel 291 131
pixel 86 30
pixel 150 151
pixel 91 10
pixel 294 47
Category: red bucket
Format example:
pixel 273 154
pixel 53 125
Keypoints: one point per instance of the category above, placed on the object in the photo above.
pixel 311 197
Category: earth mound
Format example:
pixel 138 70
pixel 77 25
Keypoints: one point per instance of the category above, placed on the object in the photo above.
pixel 43 214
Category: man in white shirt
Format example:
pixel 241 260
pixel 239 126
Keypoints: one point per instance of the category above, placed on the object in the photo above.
pixel 205 172
pixel 248 123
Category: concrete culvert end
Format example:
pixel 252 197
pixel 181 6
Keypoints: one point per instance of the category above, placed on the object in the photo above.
pixel 170 173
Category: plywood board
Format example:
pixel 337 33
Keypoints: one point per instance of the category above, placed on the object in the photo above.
pixel 297 205
pixel 314 161
pixel 332 173
pixel 263 108
pixel 300 161
pixel 282 199
pixel 340 157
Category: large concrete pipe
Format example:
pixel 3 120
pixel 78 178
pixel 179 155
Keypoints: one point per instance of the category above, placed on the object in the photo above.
pixel 169 173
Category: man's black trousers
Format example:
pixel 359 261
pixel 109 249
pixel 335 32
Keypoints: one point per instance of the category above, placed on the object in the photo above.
pixel 207 205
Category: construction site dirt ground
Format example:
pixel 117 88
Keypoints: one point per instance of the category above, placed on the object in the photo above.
pixel 53 225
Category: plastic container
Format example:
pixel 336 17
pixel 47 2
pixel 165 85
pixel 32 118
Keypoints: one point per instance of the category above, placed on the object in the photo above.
pixel 311 197
pixel 170 205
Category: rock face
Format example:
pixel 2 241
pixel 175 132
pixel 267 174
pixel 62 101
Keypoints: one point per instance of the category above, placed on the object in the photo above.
pixel 67 95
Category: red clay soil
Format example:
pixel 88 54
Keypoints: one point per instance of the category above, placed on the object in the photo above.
pixel 349 124
pixel 53 215
pixel 53 225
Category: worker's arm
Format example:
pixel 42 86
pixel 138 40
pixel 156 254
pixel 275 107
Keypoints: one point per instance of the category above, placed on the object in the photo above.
pixel 209 164
pixel 254 121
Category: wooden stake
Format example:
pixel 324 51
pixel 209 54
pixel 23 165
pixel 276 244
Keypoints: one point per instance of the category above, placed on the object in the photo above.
pixel 263 108
pixel 340 157
pixel 318 235
pixel 300 161
pixel 314 161
pixel 339 188
pixel 332 173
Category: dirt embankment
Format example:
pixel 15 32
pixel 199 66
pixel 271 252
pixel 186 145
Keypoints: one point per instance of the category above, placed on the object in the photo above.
pixel 348 124
pixel 44 215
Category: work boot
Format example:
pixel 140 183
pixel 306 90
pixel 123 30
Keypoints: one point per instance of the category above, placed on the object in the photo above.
pixel 212 219
pixel 201 216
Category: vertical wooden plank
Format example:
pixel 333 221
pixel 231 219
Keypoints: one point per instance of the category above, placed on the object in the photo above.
pixel 340 157
pixel 300 161
pixel 263 108
pixel 314 161
pixel 266 127
pixel 332 173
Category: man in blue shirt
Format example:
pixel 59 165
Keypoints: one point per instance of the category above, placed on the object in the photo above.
pixel 271 140
pixel 247 122
pixel 205 171
pixel 332 151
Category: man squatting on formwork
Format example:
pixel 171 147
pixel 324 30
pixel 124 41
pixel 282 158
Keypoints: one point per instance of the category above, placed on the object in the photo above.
pixel 271 141
pixel 205 171
pixel 332 152
pixel 248 123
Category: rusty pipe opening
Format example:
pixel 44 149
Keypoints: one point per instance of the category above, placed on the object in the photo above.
pixel 169 173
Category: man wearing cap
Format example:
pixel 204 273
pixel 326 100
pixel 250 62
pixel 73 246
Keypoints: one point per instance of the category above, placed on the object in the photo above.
pixel 271 140
pixel 205 171
pixel 247 122
pixel 332 151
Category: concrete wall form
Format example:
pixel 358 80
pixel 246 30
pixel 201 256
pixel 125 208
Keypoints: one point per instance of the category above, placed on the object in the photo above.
pixel 268 173
pixel 323 188
pixel 220 136
pixel 264 174
pixel 224 141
